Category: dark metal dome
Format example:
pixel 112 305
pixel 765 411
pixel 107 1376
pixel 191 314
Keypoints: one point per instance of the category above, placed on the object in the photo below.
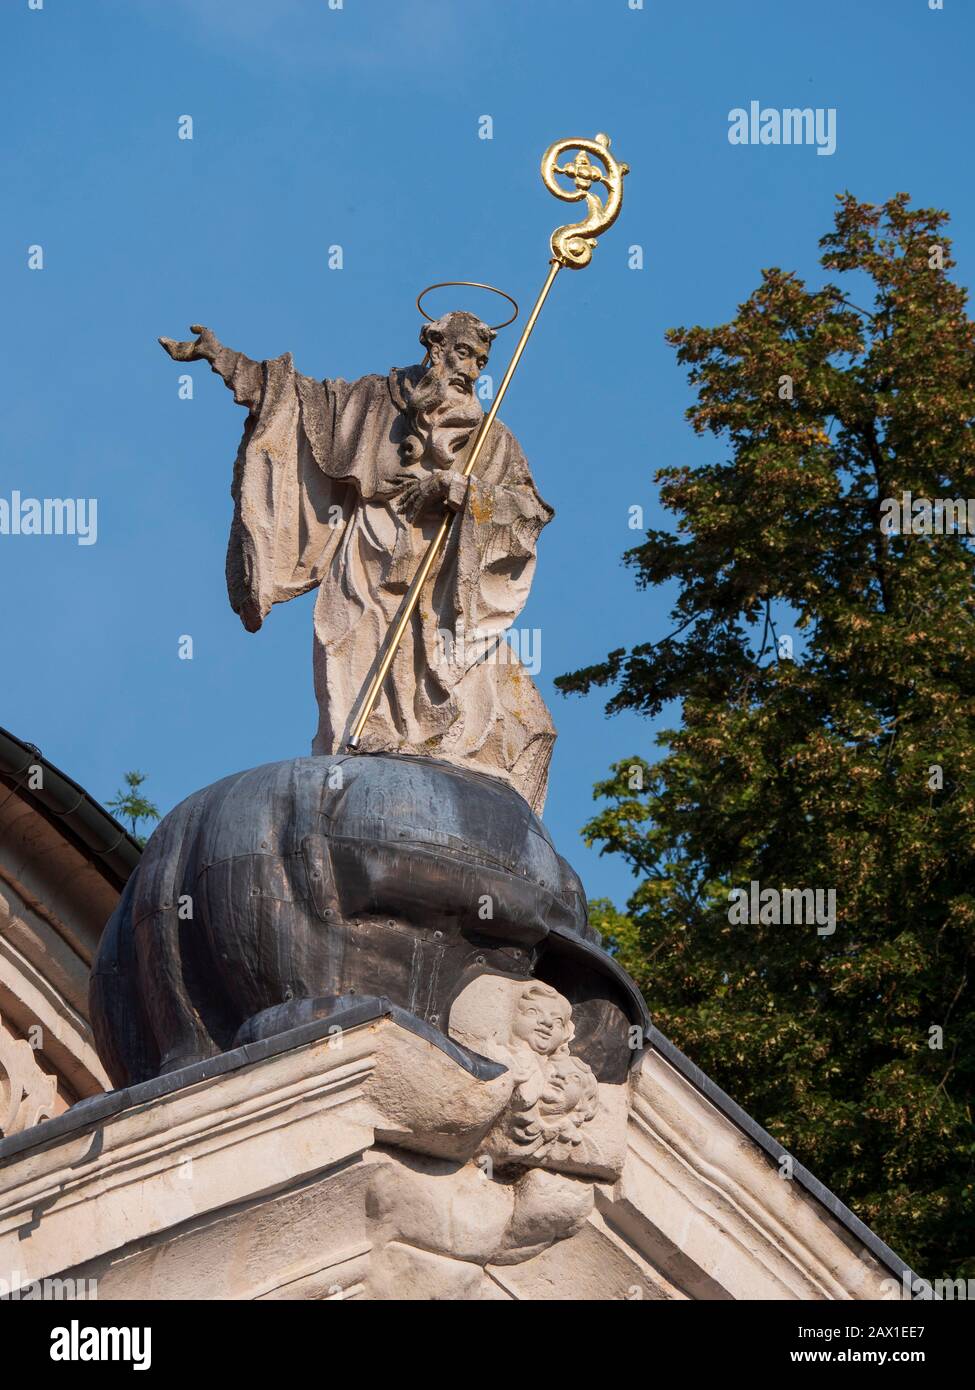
pixel 295 884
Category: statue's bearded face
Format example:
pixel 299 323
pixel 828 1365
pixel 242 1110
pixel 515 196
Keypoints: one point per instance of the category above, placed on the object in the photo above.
pixel 461 356
pixel 442 406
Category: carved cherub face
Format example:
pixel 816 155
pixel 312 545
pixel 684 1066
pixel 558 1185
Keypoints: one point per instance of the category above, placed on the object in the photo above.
pixel 569 1085
pixel 543 1020
pixel 550 1127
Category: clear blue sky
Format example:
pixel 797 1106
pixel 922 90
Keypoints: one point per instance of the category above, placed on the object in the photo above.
pixel 359 126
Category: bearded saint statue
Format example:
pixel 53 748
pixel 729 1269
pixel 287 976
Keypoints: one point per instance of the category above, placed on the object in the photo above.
pixel 341 485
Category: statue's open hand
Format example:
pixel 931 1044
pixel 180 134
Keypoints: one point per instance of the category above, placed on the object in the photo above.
pixel 203 349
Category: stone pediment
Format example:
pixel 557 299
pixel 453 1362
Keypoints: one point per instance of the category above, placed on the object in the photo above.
pixel 347 1159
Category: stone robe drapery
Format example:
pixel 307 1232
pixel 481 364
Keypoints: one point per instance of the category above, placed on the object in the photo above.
pixel 314 487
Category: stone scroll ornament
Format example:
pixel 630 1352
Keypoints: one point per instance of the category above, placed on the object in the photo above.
pixel 27 1094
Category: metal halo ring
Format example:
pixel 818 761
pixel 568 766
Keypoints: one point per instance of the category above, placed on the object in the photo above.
pixel 474 285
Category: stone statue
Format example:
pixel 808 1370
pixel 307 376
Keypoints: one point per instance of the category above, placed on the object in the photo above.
pixel 555 1095
pixel 416 883
pixel 339 486
pixel 495 1173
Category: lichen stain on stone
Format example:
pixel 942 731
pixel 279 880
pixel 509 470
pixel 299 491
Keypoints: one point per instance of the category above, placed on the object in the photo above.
pixel 481 508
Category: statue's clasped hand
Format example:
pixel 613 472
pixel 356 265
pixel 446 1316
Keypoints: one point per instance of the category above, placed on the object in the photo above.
pixel 417 494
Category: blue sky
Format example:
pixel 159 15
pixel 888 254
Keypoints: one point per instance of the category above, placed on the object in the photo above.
pixel 359 126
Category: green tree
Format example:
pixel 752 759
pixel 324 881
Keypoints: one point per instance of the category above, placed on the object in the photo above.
pixel 130 804
pixel 851 766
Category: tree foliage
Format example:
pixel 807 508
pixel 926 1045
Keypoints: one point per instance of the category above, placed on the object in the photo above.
pixel 133 806
pixel 851 766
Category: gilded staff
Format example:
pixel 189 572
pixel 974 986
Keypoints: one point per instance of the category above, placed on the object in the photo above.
pixel 572 247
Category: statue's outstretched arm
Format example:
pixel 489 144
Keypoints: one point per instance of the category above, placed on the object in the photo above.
pixel 243 376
